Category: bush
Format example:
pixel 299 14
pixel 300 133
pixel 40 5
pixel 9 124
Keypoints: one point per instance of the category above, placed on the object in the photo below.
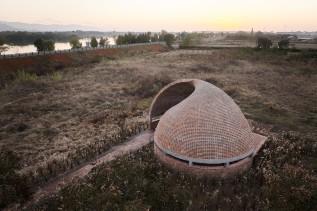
pixel 103 42
pixel 283 44
pixel 25 76
pixel 94 42
pixel 133 38
pixel 169 39
pixel 187 41
pixel 263 42
pixel 74 42
pixel 44 45
pixel 56 76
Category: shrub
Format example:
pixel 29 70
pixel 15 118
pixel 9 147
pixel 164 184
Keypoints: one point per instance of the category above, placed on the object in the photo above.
pixel 103 42
pixel 74 42
pixel 169 39
pixel 56 76
pixel 187 41
pixel 133 38
pixel 263 42
pixel 44 45
pixel 94 42
pixel 283 44
pixel 25 76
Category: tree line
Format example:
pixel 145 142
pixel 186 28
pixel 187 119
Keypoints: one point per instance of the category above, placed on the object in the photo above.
pixel 131 38
pixel 25 38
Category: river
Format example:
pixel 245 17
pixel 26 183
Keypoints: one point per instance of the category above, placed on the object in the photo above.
pixel 16 49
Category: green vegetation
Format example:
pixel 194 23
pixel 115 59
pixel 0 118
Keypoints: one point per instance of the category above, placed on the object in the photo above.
pixel 263 42
pixel 187 40
pixel 56 76
pixel 283 44
pixel 145 38
pixel 44 45
pixel 241 35
pixel 94 42
pixel 133 38
pixel 24 38
pixel 190 39
pixel 25 76
pixel 169 39
pixel 103 42
pixel 74 42
pixel 2 48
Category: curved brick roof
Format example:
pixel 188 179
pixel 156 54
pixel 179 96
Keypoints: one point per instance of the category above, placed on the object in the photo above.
pixel 196 121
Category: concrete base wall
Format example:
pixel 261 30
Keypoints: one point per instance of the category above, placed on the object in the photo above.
pixel 204 171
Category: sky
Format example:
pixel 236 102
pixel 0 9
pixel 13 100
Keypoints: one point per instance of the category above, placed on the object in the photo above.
pixel 171 15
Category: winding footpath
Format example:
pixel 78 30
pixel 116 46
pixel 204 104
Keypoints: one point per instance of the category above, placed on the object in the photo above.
pixel 134 144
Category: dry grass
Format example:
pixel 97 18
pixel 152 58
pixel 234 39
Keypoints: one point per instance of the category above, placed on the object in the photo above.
pixel 139 182
pixel 54 125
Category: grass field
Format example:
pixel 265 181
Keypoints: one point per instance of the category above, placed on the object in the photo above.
pixel 51 123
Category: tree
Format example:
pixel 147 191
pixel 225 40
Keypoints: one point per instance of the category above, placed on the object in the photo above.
pixel 263 42
pixel 44 45
pixel 2 48
pixel 283 44
pixel 74 42
pixel 187 40
pixel 103 41
pixel 155 38
pixel 169 39
pixel 49 45
pixel 39 44
pixel 94 42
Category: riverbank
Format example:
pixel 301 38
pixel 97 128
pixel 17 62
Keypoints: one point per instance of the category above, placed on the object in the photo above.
pixel 47 63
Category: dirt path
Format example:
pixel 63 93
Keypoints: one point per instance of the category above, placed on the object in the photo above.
pixel 133 145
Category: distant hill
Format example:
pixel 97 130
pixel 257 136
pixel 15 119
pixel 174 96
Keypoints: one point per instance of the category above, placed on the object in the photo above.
pixel 5 27
pixel 19 26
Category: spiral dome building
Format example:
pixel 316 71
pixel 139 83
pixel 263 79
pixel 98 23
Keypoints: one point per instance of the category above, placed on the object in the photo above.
pixel 199 129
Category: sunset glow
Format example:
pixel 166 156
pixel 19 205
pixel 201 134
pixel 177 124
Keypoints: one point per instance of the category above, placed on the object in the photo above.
pixel 174 15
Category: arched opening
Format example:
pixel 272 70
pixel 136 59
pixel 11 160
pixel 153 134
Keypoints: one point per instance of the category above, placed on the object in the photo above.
pixel 168 98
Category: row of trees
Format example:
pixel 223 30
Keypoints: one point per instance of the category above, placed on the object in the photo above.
pixel 26 38
pixel 49 45
pixel 43 44
pixel 131 38
pixel 75 43
pixel 264 42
